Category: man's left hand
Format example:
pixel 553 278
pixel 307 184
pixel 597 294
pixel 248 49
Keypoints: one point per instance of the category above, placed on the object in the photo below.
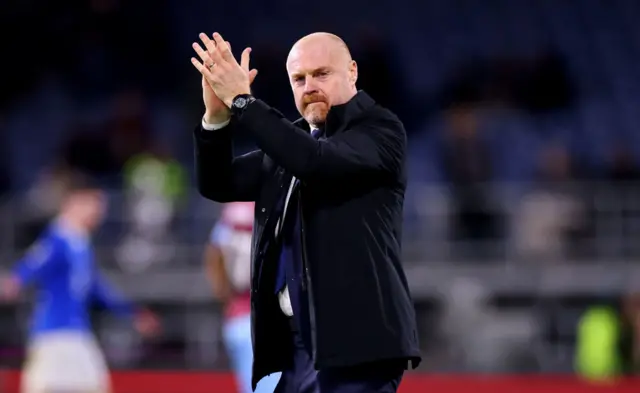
pixel 228 78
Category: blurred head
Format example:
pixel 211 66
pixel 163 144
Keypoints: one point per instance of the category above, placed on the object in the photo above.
pixel 239 215
pixel 322 74
pixel 463 121
pixel 84 204
pixel 556 163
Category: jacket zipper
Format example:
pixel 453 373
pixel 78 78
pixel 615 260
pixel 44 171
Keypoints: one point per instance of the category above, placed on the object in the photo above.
pixel 259 238
pixel 306 281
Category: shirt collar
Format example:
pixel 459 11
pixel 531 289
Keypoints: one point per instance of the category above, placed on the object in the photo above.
pixel 64 229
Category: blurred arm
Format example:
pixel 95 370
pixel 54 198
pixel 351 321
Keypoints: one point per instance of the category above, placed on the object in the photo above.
pixel 42 259
pixel 103 293
pixel 215 265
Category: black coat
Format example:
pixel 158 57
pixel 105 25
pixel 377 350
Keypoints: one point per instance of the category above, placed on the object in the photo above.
pixel 351 199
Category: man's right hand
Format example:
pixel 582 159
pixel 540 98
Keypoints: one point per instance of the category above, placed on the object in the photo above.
pixel 216 111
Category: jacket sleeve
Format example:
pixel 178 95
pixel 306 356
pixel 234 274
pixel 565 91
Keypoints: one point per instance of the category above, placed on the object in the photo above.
pixel 375 147
pixel 220 176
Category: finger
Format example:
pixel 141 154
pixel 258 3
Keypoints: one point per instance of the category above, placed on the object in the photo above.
pixel 202 69
pixel 204 56
pixel 208 43
pixel 252 75
pixel 217 57
pixel 244 59
pixel 223 48
pixel 230 49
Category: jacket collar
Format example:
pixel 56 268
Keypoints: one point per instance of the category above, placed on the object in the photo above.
pixel 340 115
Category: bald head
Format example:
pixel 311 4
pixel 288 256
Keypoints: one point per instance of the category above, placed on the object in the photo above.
pixel 322 74
pixel 327 40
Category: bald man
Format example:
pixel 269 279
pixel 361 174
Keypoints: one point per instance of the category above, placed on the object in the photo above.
pixel 330 303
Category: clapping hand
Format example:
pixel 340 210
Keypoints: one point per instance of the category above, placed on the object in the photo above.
pixel 223 77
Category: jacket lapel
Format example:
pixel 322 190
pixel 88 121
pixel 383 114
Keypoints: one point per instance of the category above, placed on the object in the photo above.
pixel 274 197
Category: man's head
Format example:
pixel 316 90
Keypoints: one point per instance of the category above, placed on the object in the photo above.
pixel 84 204
pixel 322 74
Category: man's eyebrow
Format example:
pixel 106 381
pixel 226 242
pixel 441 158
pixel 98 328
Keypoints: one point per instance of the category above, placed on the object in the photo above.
pixel 319 69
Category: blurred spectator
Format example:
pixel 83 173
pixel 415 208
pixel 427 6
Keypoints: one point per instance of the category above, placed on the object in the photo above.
pixel 536 84
pixel 550 212
pixel 154 186
pixel 128 130
pixel 89 150
pixel 103 152
pixel 467 166
pixel 483 339
pixel 608 340
pixel 623 219
pixel 42 202
pixel 622 165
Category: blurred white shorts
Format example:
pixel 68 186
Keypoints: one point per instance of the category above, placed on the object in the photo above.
pixel 65 362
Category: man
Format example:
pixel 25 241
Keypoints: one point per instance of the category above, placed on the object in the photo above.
pixel 63 355
pixel 330 302
pixel 228 264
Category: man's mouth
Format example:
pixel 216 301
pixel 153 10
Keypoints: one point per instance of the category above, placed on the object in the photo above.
pixel 314 100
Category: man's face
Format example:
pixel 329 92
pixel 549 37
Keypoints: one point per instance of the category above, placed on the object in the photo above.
pixel 91 205
pixel 321 75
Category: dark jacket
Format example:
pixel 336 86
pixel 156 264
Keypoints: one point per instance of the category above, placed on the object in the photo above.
pixel 351 200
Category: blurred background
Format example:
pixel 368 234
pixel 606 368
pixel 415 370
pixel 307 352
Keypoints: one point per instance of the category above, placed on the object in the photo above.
pixel 523 209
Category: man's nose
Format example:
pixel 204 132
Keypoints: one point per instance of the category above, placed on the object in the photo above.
pixel 310 85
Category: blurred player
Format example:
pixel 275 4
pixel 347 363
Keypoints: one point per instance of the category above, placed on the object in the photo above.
pixel 228 263
pixel 63 354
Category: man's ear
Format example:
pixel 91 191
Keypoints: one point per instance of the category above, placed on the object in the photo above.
pixel 353 72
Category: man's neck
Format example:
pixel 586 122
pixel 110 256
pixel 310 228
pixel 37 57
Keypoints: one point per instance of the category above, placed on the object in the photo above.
pixel 72 226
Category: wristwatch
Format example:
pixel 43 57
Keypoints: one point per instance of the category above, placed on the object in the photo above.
pixel 240 103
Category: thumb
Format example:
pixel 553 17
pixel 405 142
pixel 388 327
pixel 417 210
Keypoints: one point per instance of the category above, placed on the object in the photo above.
pixel 244 59
pixel 252 75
